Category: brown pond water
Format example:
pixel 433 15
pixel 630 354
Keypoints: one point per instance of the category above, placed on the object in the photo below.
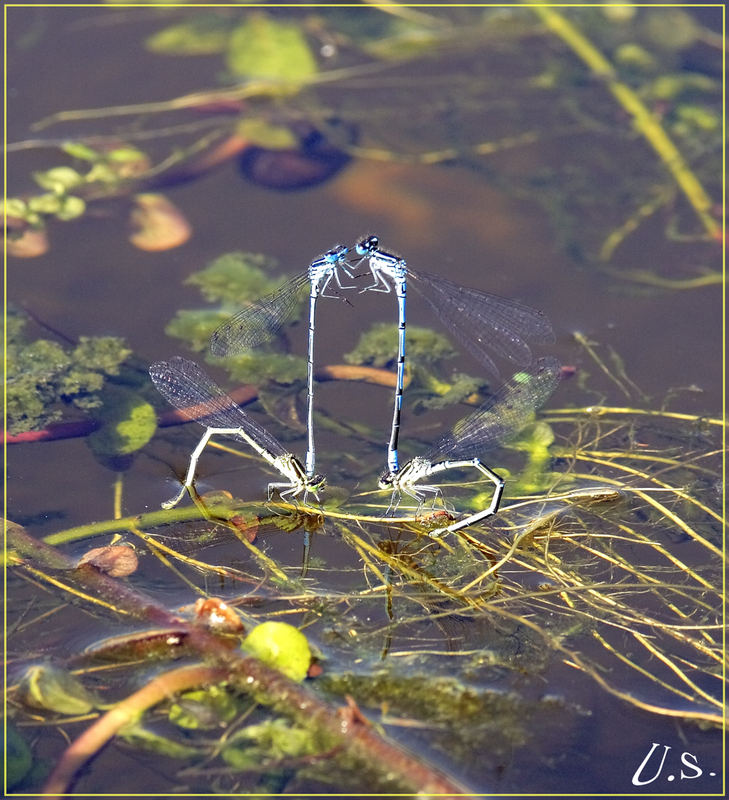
pixel 527 222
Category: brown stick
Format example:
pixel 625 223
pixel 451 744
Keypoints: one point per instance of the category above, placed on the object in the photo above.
pixel 267 685
pixel 242 395
pixel 106 727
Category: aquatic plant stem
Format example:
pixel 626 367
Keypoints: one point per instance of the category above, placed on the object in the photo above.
pixel 645 121
pixel 343 730
pixel 601 411
pixel 707 277
pixel 152 519
pixel 125 713
pixel 257 90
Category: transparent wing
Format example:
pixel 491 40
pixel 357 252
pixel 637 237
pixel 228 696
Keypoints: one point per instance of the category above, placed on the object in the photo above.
pixel 260 321
pixel 185 386
pixel 484 323
pixel 503 415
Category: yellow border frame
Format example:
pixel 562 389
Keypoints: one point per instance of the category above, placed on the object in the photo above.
pixel 545 5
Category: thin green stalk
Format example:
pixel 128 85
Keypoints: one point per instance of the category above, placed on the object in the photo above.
pixel 152 519
pixel 644 120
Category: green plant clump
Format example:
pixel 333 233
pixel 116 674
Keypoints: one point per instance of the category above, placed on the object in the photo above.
pixel 235 280
pixel 43 376
pixel 377 346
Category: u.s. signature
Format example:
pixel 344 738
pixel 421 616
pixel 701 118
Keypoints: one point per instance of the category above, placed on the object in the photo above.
pixel 657 764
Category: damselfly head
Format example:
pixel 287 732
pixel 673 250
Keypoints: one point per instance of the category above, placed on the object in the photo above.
pixel 367 246
pixel 387 480
pixel 316 483
pixel 337 253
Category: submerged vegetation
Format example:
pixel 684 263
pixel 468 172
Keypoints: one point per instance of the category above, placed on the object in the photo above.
pixel 254 669
pixel 609 560
pixel 642 85
pixel 594 574
pixel 43 376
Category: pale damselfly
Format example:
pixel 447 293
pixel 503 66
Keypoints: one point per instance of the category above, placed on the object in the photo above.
pixel 502 416
pixel 185 386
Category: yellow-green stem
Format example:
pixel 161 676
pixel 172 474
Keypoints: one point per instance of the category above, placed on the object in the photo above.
pixel 645 121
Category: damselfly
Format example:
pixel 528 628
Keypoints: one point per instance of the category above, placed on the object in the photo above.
pixel 502 416
pixel 185 386
pixel 262 320
pixel 484 323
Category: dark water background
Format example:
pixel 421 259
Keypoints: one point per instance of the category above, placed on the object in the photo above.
pixel 451 220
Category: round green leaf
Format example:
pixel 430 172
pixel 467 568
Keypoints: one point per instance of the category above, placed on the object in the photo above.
pixel 282 647
pixel 47 203
pixel 15 207
pixel 71 207
pixel 79 150
pixel 129 423
pixel 58 179
pixel 263 47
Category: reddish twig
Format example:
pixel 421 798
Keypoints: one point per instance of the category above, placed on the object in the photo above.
pixel 243 395
pixel 268 686
pixel 125 712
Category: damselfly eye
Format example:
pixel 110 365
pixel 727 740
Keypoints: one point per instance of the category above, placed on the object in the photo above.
pixel 368 245
pixel 336 251
pixel 386 481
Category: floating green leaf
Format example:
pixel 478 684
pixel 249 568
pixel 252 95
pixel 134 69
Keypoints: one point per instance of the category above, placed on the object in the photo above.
pixel 47 203
pixel 152 742
pixel 672 86
pixel 58 179
pixel 535 440
pixel 635 57
pixel 126 154
pixel 263 47
pixel 203 35
pixel 671 29
pixel 282 368
pixel 53 689
pixel 378 346
pixel 101 353
pixel 14 324
pixel 81 151
pixel 697 118
pixel 129 423
pixel 15 207
pixel 71 208
pixel 42 375
pixel 461 387
pixel 262 133
pixel 236 278
pixel 281 646
pixel 195 326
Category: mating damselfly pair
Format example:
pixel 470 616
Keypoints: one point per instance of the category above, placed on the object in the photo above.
pixel 485 323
